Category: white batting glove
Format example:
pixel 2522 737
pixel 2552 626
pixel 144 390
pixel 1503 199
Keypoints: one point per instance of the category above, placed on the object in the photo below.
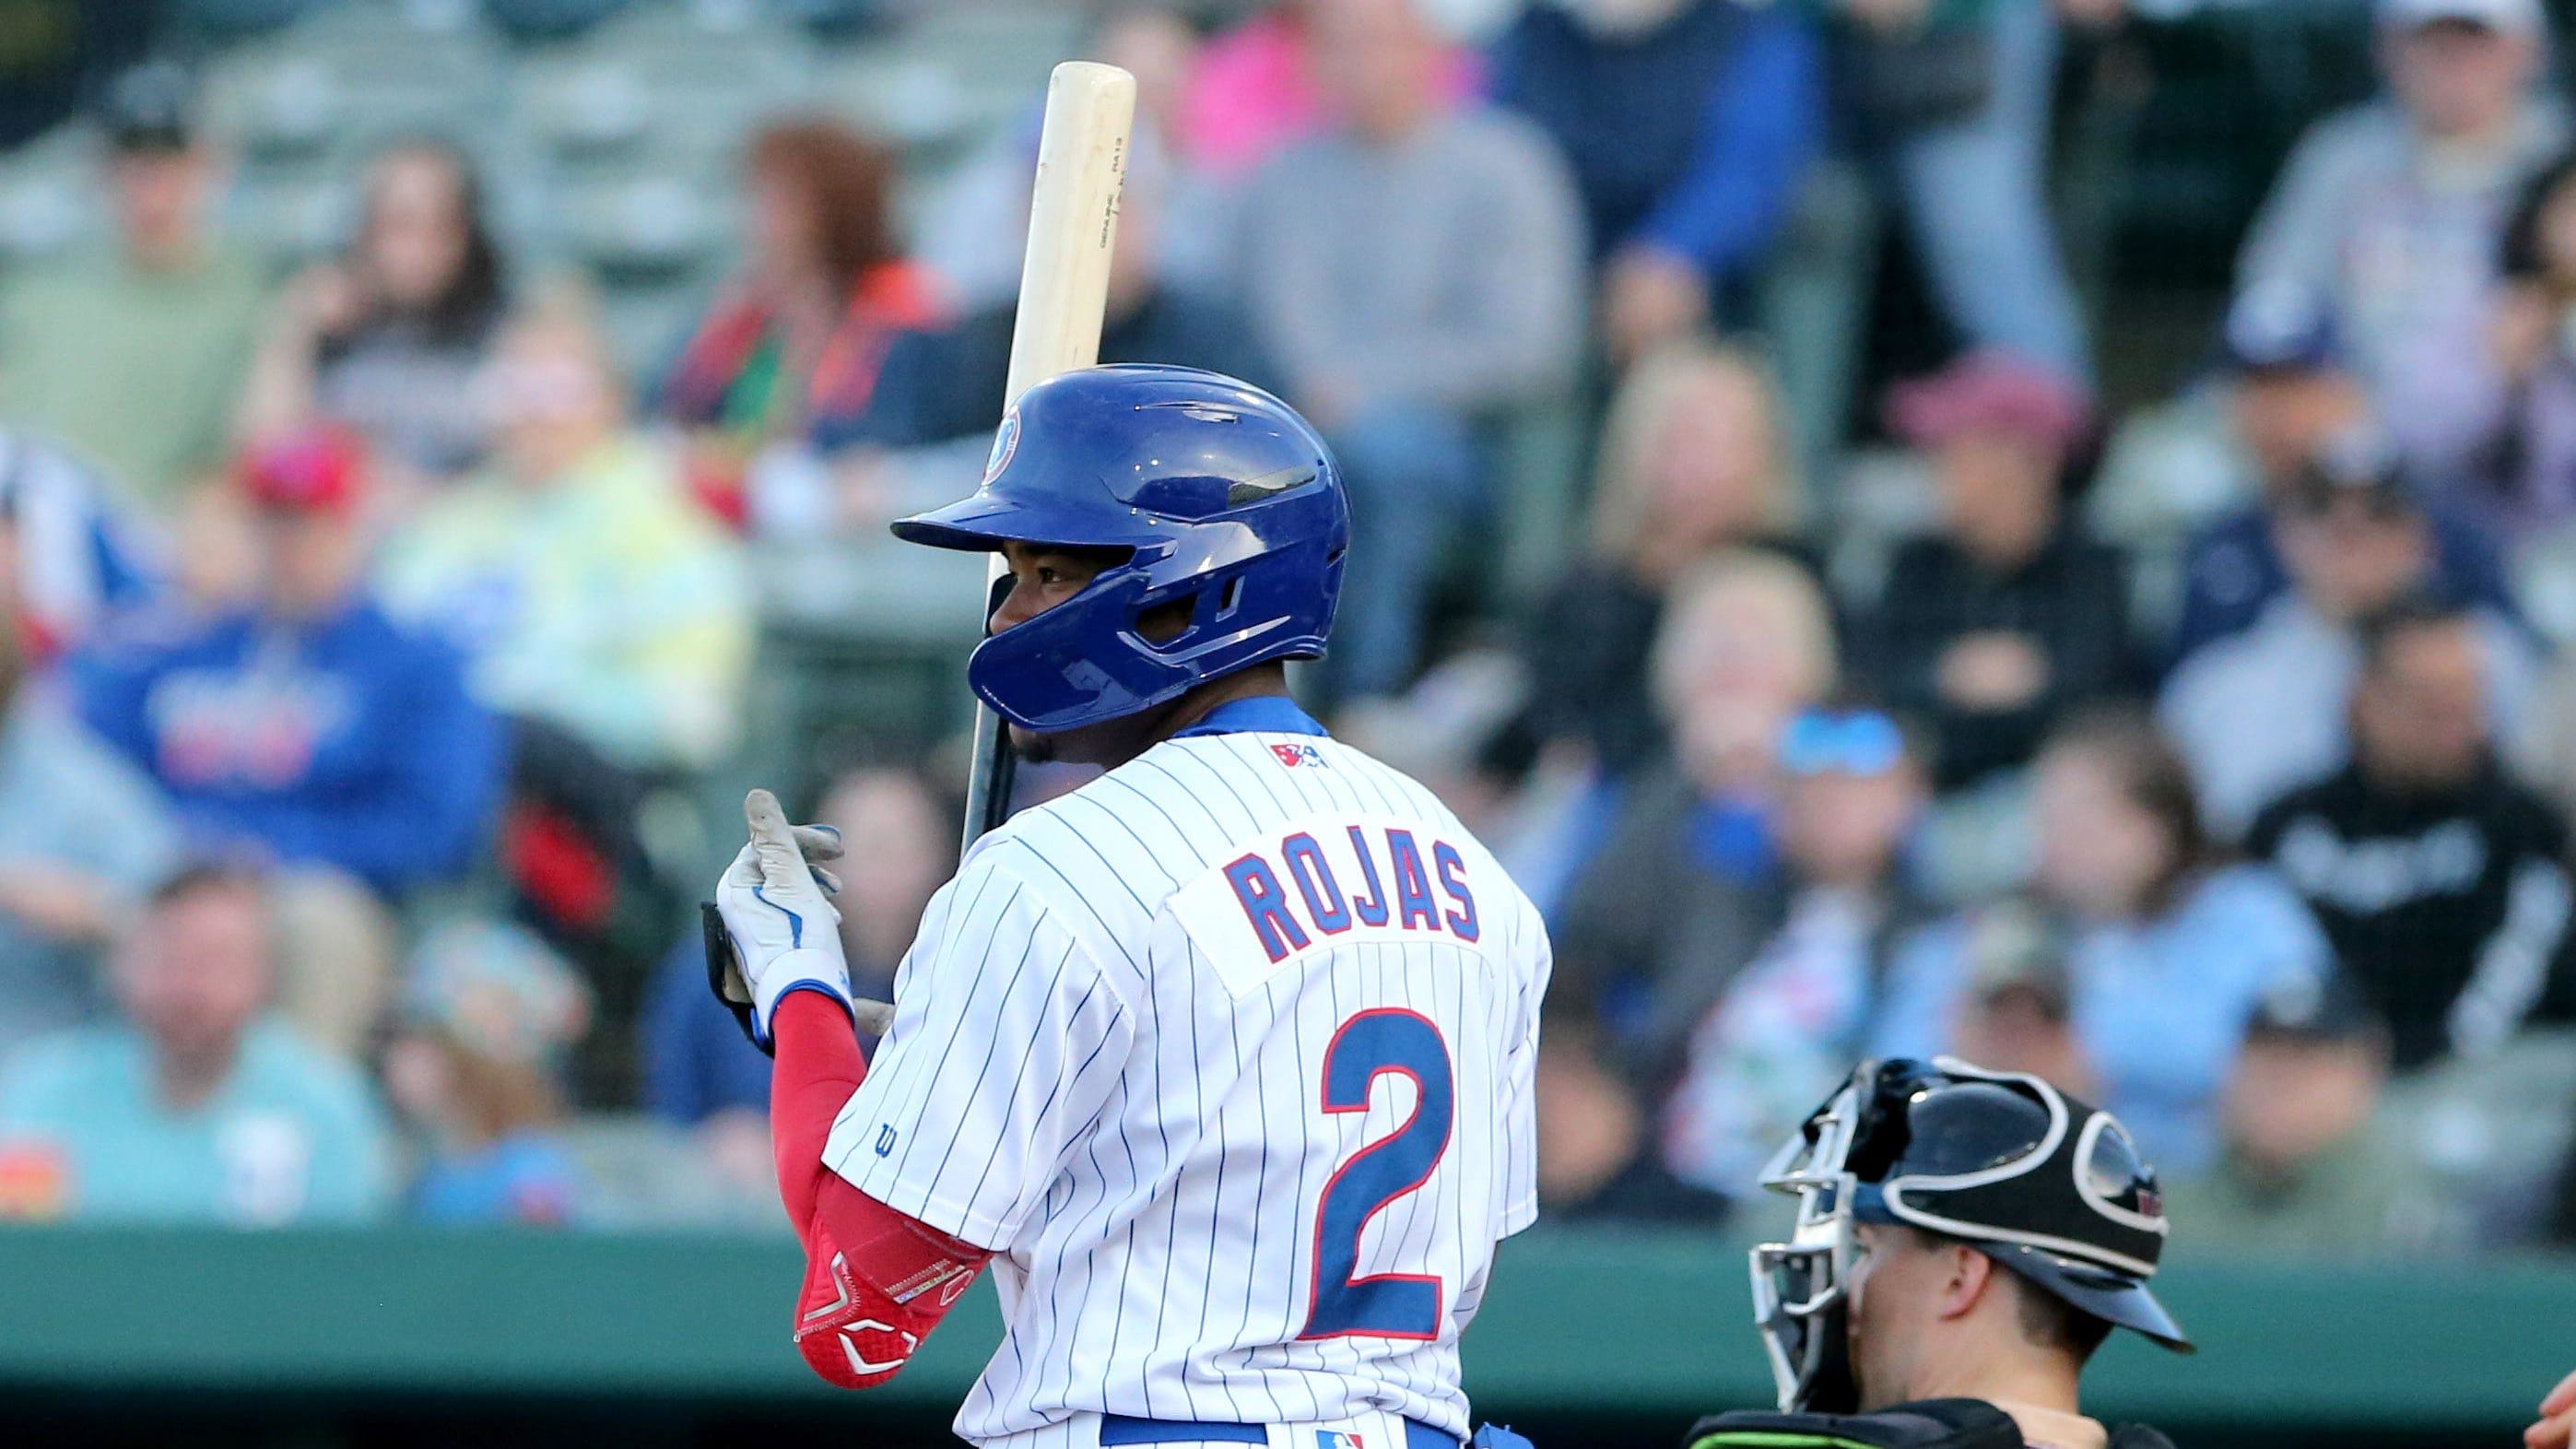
pixel 786 936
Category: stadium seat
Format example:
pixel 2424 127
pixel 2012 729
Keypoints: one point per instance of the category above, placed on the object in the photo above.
pixel 837 19
pixel 1538 459
pixel 910 100
pixel 578 104
pixel 224 21
pixel 541 20
pixel 293 218
pixel 2492 1129
pixel 2544 582
pixel 858 640
pixel 980 38
pixel 1882 497
pixel 648 320
pixel 362 67
pixel 650 222
pixel 656 91
pixel 642 1172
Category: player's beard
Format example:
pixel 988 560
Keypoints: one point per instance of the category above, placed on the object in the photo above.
pixel 1032 747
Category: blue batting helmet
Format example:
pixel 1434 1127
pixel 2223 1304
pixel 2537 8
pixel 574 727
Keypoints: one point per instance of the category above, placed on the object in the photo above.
pixel 1229 503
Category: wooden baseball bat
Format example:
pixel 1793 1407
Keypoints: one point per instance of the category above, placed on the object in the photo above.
pixel 1064 291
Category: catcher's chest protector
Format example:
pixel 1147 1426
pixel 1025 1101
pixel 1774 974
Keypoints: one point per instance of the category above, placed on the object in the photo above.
pixel 1927 1424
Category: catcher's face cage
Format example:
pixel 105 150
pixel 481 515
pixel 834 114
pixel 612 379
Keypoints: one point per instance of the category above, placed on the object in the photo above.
pixel 1800 1287
pixel 1843 1167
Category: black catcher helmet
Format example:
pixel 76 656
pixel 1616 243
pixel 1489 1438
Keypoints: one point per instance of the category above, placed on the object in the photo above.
pixel 2046 1185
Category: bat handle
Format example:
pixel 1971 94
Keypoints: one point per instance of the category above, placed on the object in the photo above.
pixel 989 771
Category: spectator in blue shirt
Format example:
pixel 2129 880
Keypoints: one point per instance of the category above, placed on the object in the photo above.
pixel 197 1106
pixel 1688 124
pixel 2168 948
pixel 305 726
pixel 2292 396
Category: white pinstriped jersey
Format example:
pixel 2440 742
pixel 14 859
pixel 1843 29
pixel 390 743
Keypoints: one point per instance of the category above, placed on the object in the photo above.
pixel 1228 1054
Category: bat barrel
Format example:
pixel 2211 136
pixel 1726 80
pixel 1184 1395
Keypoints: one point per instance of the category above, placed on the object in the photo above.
pixel 1064 294
pixel 1073 222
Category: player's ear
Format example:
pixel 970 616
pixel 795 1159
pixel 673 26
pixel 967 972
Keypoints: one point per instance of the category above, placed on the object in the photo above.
pixel 1966 1278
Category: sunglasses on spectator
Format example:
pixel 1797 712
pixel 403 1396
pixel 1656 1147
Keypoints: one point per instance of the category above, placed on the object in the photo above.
pixel 1846 742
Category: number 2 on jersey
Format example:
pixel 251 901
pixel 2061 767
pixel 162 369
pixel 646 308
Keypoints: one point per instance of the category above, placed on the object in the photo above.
pixel 1382 1305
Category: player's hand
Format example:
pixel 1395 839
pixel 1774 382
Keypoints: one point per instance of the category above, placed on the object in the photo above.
pixel 774 911
pixel 2557 1418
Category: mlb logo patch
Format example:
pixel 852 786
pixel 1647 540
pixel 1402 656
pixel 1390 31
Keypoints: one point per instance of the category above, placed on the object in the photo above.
pixel 1294 755
pixel 1336 1439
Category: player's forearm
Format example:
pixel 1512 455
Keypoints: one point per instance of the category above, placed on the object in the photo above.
pixel 819 1066
pixel 876 1281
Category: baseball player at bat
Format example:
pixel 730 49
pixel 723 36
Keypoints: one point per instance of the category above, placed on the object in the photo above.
pixel 1221 1063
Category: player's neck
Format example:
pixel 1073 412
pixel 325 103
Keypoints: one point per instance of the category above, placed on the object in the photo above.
pixel 1259 682
pixel 1114 742
pixel 2036 1379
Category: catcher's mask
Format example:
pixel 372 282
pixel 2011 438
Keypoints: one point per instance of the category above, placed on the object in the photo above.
pixel 2046 1185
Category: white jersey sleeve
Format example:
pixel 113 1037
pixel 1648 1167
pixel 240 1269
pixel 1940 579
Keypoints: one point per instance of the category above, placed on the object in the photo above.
pixel 1005 1041
pixel 1520 1112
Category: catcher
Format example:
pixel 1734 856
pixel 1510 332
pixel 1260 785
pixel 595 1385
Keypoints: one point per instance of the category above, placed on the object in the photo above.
pixel 1965 1240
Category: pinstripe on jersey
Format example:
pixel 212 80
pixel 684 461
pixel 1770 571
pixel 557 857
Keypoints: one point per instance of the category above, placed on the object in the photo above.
pixel 1097 1068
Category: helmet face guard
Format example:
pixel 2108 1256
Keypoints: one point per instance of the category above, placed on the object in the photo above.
pixel 2049 1187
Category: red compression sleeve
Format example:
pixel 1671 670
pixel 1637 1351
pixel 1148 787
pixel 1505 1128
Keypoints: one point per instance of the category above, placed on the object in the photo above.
pixel 876 1281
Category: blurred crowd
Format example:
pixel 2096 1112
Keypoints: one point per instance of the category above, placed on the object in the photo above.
pixel 394 627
